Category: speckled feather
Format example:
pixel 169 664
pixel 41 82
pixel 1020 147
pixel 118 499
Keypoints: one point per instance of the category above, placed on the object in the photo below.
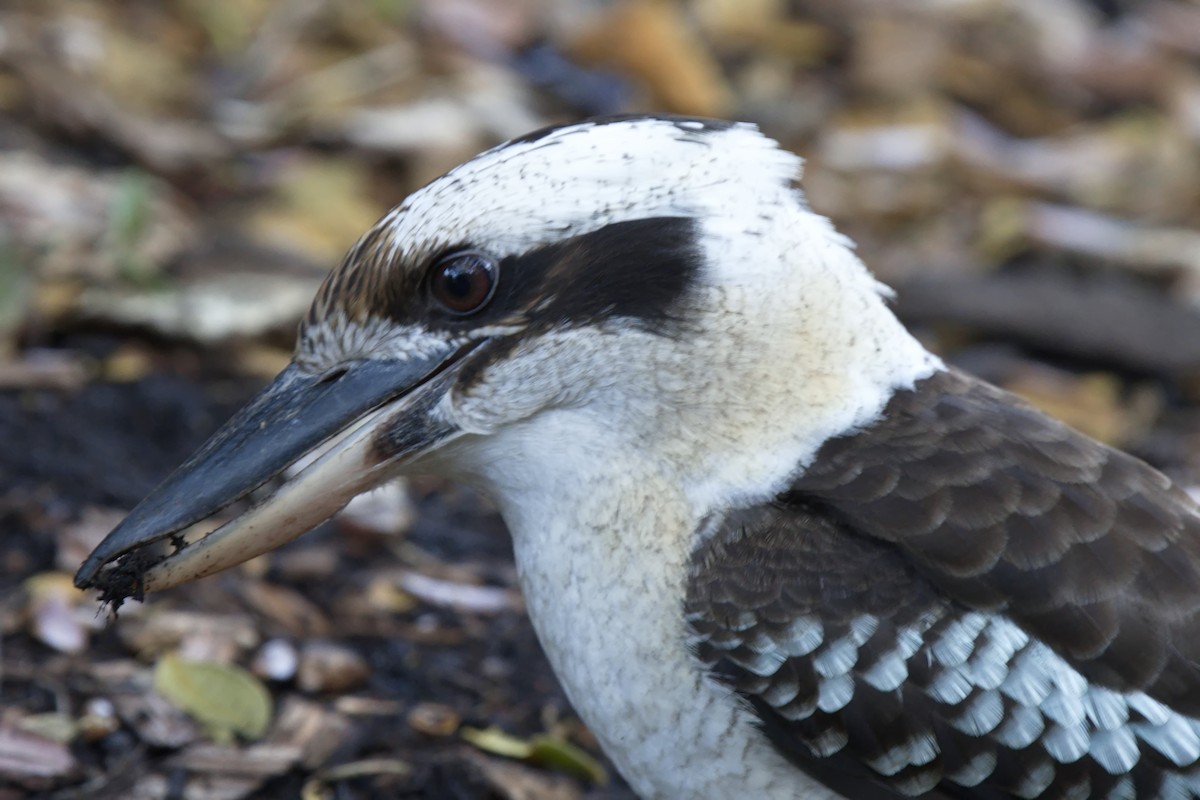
pixel 966 594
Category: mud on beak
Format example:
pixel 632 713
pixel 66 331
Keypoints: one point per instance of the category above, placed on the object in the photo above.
pixel 366 422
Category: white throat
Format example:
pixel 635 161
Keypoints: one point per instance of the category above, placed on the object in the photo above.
pixel 602 556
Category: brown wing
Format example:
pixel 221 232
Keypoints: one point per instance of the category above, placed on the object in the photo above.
pixel 1006 509
pixel 934 608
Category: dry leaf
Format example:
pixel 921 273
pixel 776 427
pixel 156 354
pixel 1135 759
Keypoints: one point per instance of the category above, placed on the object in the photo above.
pixel 54 606
pixel 318 789
pixel 433 719
pixel 316 731
pixel 207 637
pixel 155 720
pixel 652 40
pixel 329 667
pixel 463 597
pixel 321 207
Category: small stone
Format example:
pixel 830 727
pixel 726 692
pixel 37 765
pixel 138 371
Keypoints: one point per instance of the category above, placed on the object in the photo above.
pixel 276 660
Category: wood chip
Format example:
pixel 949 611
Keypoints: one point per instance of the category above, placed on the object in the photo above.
pixel 262 760
pixel 315 731
pixel 330 667
pixel 212 637
pixel 202 787
pixel 43 370
pixel 32 760
pixel 463 597
pixel 155 720
pixel 286 608
pixel 518 782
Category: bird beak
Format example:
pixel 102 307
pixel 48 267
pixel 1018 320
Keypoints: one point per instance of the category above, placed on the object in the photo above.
pixel 364 424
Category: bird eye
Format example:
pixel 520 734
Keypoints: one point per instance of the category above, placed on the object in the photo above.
pixel 463 283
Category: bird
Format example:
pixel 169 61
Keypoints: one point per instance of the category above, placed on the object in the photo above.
pixel 771 545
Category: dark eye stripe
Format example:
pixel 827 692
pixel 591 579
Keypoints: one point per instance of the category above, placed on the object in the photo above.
pixel 638 269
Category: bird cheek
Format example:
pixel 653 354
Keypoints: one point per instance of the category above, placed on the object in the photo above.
pixel 505 393
pixel 483 407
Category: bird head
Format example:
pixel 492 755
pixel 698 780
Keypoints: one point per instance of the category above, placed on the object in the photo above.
pixel 650 289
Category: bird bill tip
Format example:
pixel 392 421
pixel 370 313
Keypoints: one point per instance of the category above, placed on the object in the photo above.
pixel 346 467
pixel 353 436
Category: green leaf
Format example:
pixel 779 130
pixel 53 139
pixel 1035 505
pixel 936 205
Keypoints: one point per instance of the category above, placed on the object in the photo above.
pixel 542 749
pixel 495 741
pixel 566 757
pixel 225 700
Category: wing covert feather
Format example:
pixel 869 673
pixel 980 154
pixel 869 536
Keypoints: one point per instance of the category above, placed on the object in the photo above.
pixel 1006 509
pixel 966 599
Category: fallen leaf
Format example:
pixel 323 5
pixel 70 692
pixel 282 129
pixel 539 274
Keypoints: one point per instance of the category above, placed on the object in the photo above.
pixel 542 749
pixel 463 597
pixel 286 608
pixel 498 742
pixel 330 667
pixel 57 727
pixel 508 780
pixel 433 719
pixel 318 787
pixel 655 42
pixel 226 700
pixel 207 637
pixel 321 206
pixel 210 309
pixel 257 761
pixel 566 757
pixel 54 602
pixel 366 767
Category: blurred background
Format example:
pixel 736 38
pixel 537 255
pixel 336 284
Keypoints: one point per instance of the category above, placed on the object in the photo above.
pixel 176 177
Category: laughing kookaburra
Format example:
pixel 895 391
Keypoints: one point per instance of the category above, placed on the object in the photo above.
pixel 773 548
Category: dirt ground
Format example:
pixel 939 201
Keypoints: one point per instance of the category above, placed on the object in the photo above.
pixel 175 179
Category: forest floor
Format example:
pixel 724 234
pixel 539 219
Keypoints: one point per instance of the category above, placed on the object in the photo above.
pixel 176 178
